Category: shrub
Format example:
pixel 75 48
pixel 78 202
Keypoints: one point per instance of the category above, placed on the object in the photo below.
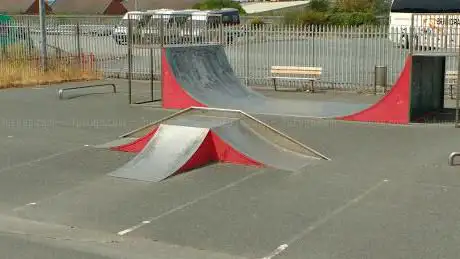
pixel 257 21
pixel 354 5
pixel 218 4
pixel 291 17
pixel 319 5
pixel 311 17
pixel 21 68
pixel 352 19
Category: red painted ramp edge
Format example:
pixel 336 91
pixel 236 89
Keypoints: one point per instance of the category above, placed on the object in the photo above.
pixel 137 145
pixel 173 96
pixel 394 107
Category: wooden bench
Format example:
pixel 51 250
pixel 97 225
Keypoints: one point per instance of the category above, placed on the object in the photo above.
pixel 451 80
pixel 311 74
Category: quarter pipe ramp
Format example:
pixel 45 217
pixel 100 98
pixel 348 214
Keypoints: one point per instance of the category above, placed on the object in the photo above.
pixel 201 76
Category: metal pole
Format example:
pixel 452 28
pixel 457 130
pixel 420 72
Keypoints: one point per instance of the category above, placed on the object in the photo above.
pixel 43 52
pixel 223 38
pixel 313 44
pixel 29 38
pixel 411 35
pixel 162 52
pixel 246 70
pixel 151 74
pixel 446 32
pixel 457 101
pixel 130 58
pixel 77 36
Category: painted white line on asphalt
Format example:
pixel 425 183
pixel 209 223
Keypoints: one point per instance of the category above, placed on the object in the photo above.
pixel 188 204
pixel 25 206
pixel 277 251
pixel 38 159
pixel 325 219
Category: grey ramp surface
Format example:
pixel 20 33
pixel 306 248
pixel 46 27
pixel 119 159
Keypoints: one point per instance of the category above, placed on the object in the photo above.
pixel 206 74
pixel 170 148
pixel 242 138
pixel 200 121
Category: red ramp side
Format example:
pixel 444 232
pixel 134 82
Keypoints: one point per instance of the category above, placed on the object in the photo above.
pixel 173 96
pixel 214 149
pixel 394 107
pixel 203 156
pixel 137 145
pixel 227 154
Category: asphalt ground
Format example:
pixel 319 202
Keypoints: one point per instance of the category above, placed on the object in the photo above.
pixel 386 193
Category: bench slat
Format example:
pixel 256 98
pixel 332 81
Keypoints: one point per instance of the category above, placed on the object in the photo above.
pixel 296 68
pixel 295 72
pixel 295 78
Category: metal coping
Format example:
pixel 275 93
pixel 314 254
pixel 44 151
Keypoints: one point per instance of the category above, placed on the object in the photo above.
pixel 240 114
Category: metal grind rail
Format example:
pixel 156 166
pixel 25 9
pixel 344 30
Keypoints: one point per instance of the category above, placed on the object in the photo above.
pixel 62 90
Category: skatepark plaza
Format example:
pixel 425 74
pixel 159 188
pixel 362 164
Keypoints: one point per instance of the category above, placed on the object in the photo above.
pixel 220 170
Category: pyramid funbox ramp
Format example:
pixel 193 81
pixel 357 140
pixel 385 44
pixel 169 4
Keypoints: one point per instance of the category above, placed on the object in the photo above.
pixel 201 76
pixel 195 137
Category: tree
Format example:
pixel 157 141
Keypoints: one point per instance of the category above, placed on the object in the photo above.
pixel 382 7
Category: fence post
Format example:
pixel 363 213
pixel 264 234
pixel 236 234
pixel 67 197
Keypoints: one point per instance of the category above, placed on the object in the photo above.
pixel 457 101
pixel 6 27
pixel 246 69
pixel 269 51
pixel 151 73
pixel 130 58
pixel 411 35
pixel 313 32
pixel 77 36
pixel 29 39
pixel 161 52
pixel 44 54
pixel 222 39
pixel 446 32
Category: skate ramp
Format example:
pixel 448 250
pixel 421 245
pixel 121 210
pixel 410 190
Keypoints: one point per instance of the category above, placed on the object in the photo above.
pixel 197 137
pixel 202 76
pixel 217 117
pixel 255 146
pixel 164 154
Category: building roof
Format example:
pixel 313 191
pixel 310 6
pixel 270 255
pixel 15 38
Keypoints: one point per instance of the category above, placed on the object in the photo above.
pixel 15 6
pixel 144 5
pixel 426 6
pixel 81 6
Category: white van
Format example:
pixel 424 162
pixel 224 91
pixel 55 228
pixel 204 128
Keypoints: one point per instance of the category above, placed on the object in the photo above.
pixel 435 25
pixel 173 22
pixel 138 19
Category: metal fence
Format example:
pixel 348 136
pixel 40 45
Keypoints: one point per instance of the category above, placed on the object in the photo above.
pixel 347 55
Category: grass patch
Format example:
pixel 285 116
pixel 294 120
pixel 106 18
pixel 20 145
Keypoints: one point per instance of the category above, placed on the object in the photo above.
pixel 21 70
